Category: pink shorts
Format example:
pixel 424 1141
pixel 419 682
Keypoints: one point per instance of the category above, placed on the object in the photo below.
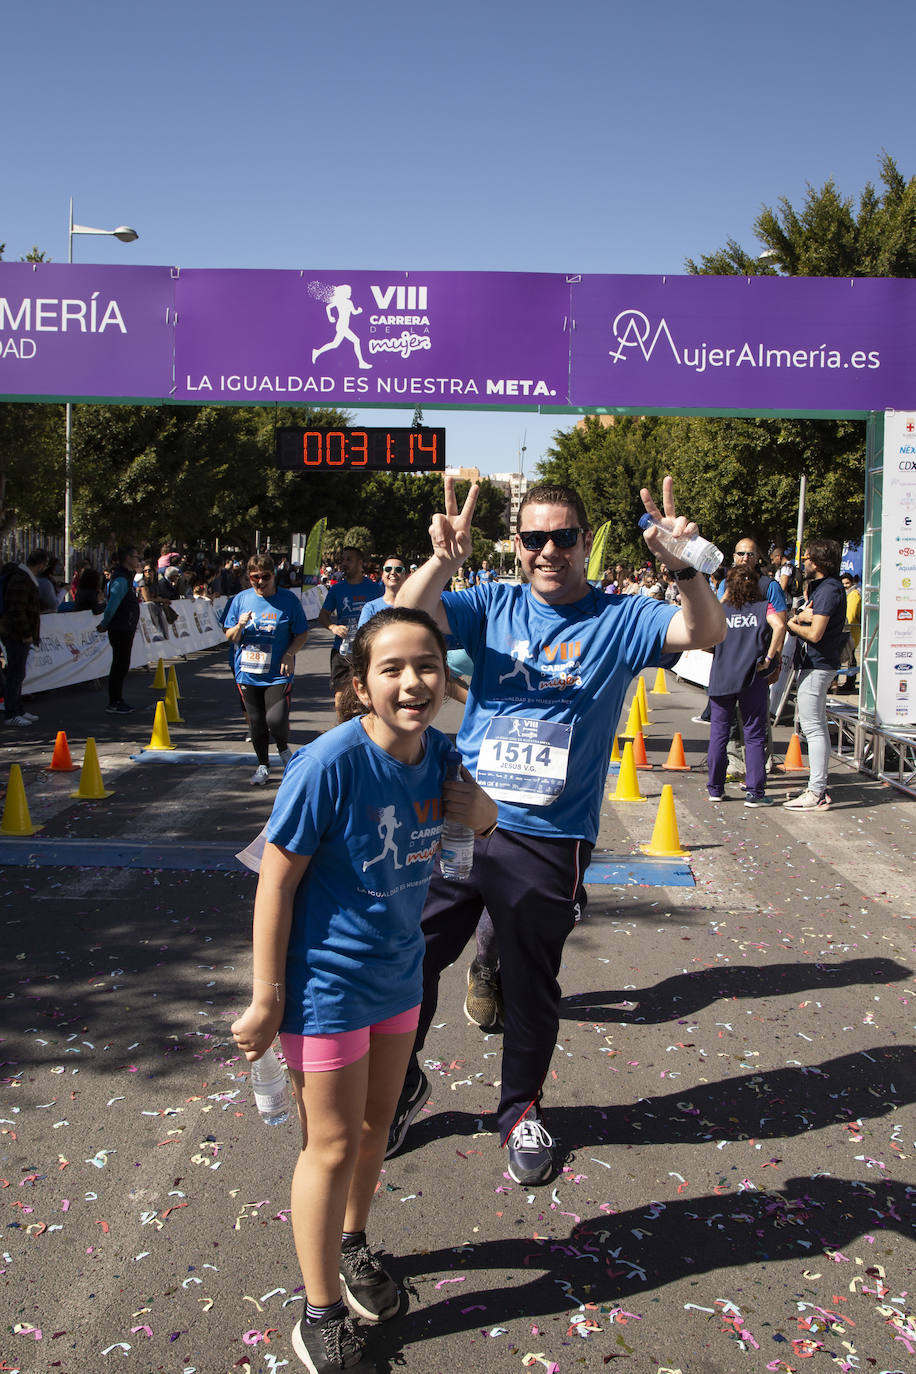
pixel 321 1053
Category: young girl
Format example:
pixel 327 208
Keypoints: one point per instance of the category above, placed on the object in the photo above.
pixel 338 957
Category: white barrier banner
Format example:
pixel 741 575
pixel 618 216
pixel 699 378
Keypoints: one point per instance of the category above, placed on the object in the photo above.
pixel 72 650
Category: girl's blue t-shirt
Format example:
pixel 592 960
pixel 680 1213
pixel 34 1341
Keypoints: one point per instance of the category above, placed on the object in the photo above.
pixel 276 622
pixel 371 827
pixel 545 697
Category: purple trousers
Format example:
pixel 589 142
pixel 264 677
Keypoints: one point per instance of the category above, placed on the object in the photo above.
pixel 754 705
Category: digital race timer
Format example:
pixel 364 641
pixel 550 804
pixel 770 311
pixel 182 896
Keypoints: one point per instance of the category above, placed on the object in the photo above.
pixel 367 450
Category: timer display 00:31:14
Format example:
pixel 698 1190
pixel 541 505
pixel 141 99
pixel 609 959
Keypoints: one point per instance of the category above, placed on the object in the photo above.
pixel 375 449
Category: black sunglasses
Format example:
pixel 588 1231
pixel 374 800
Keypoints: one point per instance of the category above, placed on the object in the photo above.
pixel 536 540
pixel 394 568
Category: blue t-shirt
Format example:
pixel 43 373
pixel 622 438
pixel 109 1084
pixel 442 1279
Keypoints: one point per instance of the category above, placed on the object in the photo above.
pixel 826 596
pixel 372 608
pixel 735 658
pixel 276 622
pixel 545 697
pixel 371 826
pixel 344 602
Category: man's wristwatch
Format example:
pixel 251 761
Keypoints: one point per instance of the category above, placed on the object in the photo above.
pixel 682 574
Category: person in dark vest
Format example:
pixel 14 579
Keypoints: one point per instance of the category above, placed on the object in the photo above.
pixel 120 620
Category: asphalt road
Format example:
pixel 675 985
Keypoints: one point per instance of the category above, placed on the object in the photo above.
pixel 733 1086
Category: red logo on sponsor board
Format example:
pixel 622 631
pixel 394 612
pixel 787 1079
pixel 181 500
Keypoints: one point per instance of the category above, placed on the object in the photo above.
pixel 904 615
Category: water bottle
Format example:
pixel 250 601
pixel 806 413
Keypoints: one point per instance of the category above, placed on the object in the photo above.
pixel 456 855
pixel 696 551
pixel 271 1088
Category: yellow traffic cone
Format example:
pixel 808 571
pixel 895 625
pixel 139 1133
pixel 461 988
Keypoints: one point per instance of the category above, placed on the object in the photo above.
pixel 16 819
pixel 634 721
pixel 661 685
pixel 643 702
pixel 172 714
pixel 666 842
pixel 627 788
pixel 158 682
pixel 160 737
pixel 615 752
pixel 61 761
pixel 173 681
pixel 90 788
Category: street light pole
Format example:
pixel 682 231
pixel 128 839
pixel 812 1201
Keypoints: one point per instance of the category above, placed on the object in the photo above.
pixel 126 235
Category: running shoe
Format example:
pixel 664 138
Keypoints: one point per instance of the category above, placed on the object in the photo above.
pixel 808 801
pixel 716 796
pixel 29 716
pixel 413 1099
pixel 260 776
pixel 119 708
pixel 753 799
pixel 699 720
pixel 333 1344
pixel 530 1145
pixel 370 1291
pixel 19 721
pixel 483 1005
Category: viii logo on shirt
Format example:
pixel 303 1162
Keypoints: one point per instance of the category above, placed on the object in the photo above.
pixel 524 761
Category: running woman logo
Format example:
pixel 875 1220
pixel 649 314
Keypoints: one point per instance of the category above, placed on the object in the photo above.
pixel 388 823
pixel 339 309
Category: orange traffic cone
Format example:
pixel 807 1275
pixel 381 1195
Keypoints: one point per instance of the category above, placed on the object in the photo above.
pixel 160 737
pixel 634 721
pixel 643 701
pixel 639 751
pixel 172 714
pixel 666 842
pixel 61 761
pixel 661 685
pixel 173 681
pixel 90 788
pixel 158 683
pixel 794 762
pixel 676 759
pixel 627 788
pixel 16 819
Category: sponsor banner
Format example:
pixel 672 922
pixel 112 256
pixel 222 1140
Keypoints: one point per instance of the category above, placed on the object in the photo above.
pixel 473 339
pixel 468 340
pixel 895 695
pixel 742 343
pixel 85 331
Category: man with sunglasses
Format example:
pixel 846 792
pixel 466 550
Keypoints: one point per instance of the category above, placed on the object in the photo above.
pixel 394 575
pixel 539 743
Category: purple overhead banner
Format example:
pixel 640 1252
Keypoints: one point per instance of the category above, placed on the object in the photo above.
pixel 75 332
pixel 474 340
pixel 372 338
pixel 743 343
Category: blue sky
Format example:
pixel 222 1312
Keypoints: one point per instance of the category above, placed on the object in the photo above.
pixel 582 137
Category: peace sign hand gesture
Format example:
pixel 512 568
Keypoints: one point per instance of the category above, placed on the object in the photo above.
pixel 677 525
pixel 451 533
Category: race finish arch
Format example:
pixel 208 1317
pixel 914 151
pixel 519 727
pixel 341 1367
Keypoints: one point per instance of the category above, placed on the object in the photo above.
pixel 808 348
